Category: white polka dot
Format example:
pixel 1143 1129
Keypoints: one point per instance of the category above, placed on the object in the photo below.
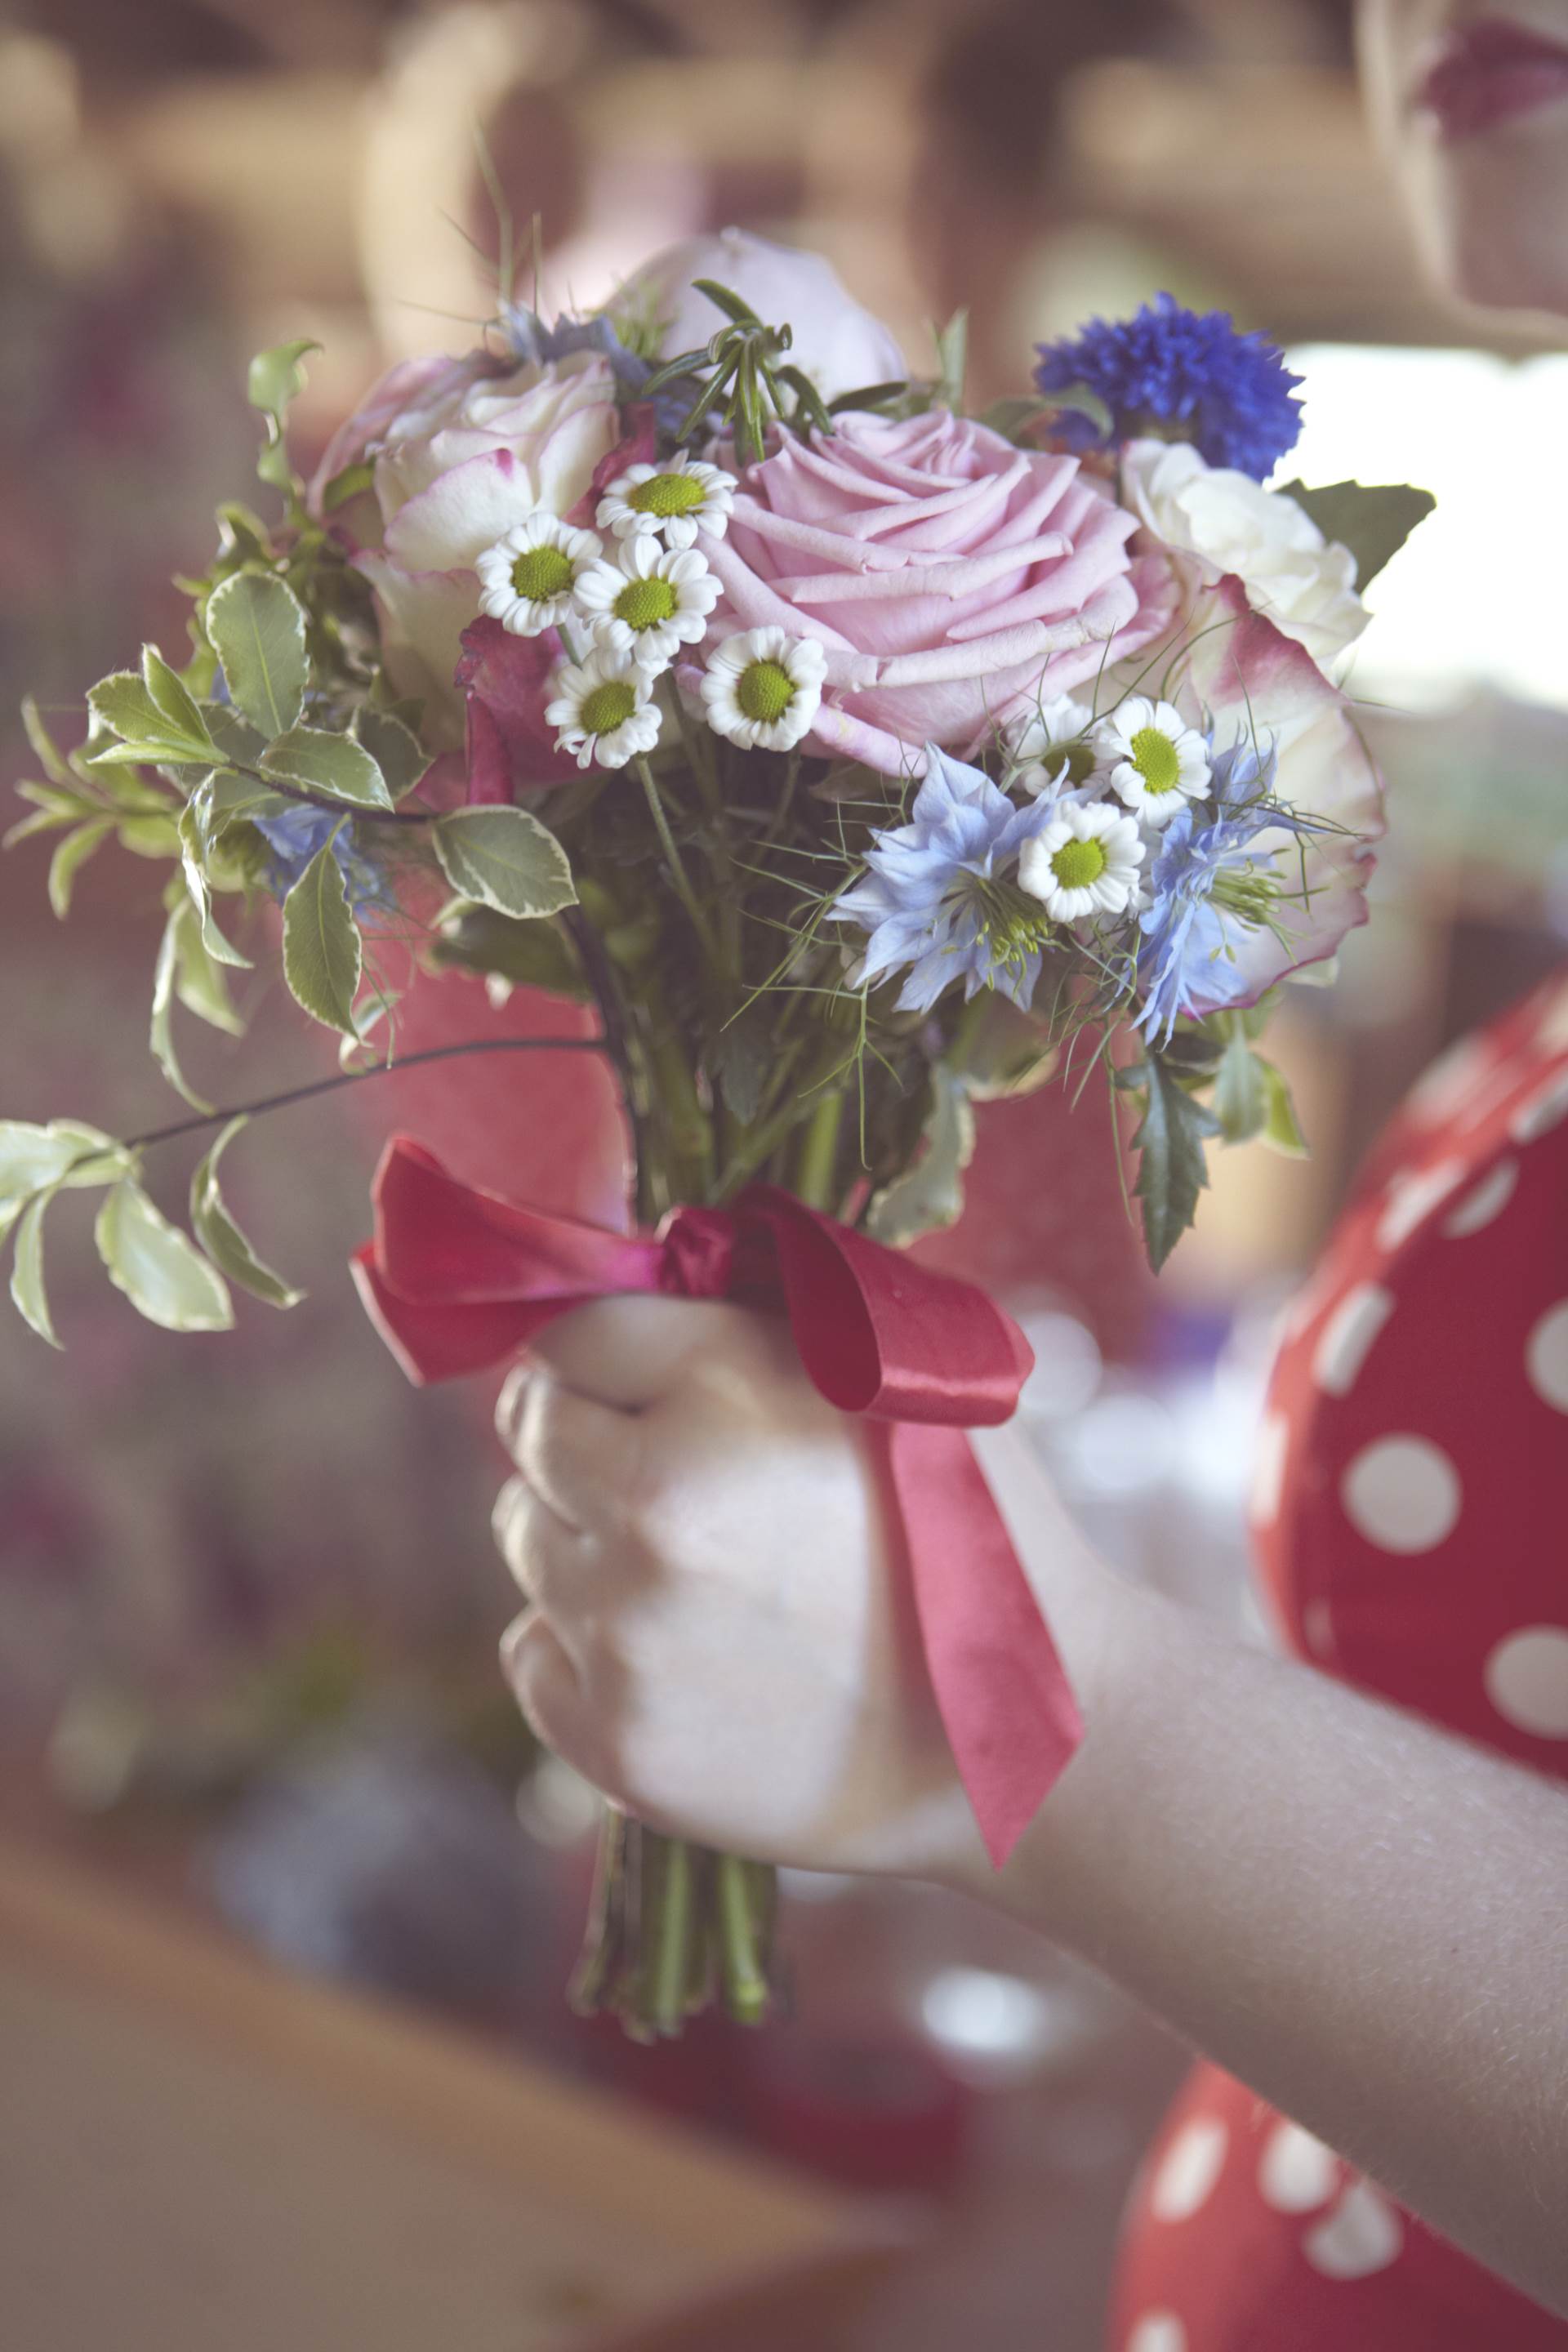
pixel 1318 1630
pixel 1269 1468
pixel 1296 2172
pixel 1527 1680
pixel 1543 1110
pixel 1487 1097
pixel 1546 1356
pixel 1362 2235
pixel 1189 2169
pixel 1158 2331
pixel 1346 1338
pixel 1402 1494
pixel 1551 1031
pixel 1412 1199
pixel 1436 1095
pixel 1487 1200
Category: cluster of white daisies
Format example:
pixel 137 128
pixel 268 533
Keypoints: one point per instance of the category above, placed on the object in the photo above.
pixel 626 609
pixel 1114 784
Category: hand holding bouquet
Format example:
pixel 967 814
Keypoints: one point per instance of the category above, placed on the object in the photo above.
pixel 858 758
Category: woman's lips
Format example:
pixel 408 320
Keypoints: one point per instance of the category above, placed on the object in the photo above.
pixel 1491 73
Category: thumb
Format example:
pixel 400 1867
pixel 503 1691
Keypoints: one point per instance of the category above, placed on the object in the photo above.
pixel 630 1352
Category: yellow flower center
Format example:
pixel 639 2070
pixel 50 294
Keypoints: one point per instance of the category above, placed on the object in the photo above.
pixel 643 603
pixel 607 707
pixel 765 690
pixel 1076 863
pixel 542 572
pixel 666 494
pixel 1155 757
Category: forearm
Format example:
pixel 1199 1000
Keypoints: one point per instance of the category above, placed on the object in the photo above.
pixel 1364 1919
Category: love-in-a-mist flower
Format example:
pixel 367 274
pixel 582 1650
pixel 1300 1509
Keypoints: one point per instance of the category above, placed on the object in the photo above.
pixel 647 600
pixel 1048 749
pixel 761 687
pixel 1084 863
pixel 527 579
pixel 602 710
pixel 1157 761
pixel 940 894
pixel 671 502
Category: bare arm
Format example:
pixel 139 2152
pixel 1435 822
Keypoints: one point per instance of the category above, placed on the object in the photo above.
pixel 1365 1919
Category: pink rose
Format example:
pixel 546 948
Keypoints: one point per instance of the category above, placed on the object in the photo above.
pixel 951 579
pixel 466 455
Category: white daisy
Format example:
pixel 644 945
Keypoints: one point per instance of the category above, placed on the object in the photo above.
pixel 1084 862
pixel 1157 761
pixel 602 710
pixel 527 579
pixel 670 502
pixel 763 688
pixel 648 601
pixel 1049 749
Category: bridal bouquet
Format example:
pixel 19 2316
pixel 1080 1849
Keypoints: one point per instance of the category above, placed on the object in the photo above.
pixel 858 756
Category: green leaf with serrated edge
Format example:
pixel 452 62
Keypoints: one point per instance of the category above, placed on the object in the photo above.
pixel 46 751
pixel 27 1292
pixel 527 954
pixel 171 698
pixel 35 1158
pixel 1171 1166
pixel 1373 520
pixel 159 1268
pixel 70 857
pixel 335 765
pixel 256 625
pixel 504 858
pixel 929 1195
pixel 275 377
pixel 161 1035
pixel 194 849
pixel 221 1237
pixel 395 749
pixel 321 950
pixel 1280 1129
pixel 199 982
pixel 1240 1091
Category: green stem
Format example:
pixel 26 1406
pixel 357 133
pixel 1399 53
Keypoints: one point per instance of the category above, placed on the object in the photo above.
pixel 679 875
pixel 743 1891
pixel 819 1153
pixel 668 1925
pixel 762 1140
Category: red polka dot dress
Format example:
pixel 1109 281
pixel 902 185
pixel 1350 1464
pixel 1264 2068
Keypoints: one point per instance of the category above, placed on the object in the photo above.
pixel 1411 1485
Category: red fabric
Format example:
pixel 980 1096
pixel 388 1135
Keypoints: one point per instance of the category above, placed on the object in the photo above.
pixel 456 1280
pixel 1413 1476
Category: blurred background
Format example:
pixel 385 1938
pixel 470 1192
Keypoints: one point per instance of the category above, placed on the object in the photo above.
pixel 249 1605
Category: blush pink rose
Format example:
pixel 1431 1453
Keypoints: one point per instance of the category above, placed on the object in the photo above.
pixel 951 579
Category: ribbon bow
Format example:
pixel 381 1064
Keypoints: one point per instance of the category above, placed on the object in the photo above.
pixel 456 1280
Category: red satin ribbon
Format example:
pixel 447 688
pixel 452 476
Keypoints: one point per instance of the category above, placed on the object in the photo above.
pixel 456 1280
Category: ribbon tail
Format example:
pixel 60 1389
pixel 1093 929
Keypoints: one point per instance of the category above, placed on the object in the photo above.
pixel 434 1341
pixel 1006 1704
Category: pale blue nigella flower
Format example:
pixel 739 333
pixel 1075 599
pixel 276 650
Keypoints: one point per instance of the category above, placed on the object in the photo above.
pixel 297 835
pixel 938 895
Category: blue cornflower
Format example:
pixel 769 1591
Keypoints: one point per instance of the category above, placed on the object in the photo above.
pixel 1210 887
pixel 1229 392
pixel 297 835
pixel 938 896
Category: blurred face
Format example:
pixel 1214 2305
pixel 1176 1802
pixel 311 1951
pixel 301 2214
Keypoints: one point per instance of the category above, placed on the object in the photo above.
pixel 1471 99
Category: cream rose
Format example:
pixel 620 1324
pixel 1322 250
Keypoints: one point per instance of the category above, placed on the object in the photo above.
pixel 1303 581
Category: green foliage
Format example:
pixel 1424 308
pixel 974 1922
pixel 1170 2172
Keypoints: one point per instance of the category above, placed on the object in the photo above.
pixel 1280 1129
pixel 1373 520
pixel 321 952
pixel 27 1292
pixel 221 1238
pixel 276 378
pixel 1172 1168
pixel 521 953
pixel 70 857
pixel 929 1194
pixel 952 360
pixel 504 858
pixel 158 1267
pixel 394 746
pixel 256 626
pixel 1240 1090
pixel 38 1158
pixel 1015 418
pixel 167 975
pixel 1005 1052
pixel 334 766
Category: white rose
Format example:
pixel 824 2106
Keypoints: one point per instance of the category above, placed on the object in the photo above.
pixel 1300 581
pixel 838 343
pixel 453 475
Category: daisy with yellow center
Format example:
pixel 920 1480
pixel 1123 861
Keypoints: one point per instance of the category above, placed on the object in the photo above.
pixel 648 601
pixel 1084 862
pixel 1048 749
pixel 527 580
pixel 671 502
pixel 762 688
pixel 602 710
pixel 1157 761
